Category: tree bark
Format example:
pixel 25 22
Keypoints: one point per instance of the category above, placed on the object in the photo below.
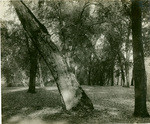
pixel 72 95
pixel 40 74
pixel 127 57
pixel 118 80
pixel 139 73
pixel 33 70
pixel 132 80
pixel 89 70
pixel 112 72
pixel 33 53
pixel 122 72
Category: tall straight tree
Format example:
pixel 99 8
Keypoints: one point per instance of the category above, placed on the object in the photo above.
pixel 33 65
pixel 33 53
pixel 139 73
pixel 72 95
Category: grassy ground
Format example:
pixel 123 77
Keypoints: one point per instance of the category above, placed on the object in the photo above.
pixel 112 105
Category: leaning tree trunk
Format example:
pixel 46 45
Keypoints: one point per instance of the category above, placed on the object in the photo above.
pixel 138 59
pixel 73 96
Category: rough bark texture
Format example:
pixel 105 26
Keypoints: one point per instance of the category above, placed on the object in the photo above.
pixel 73 96
pixel 138 59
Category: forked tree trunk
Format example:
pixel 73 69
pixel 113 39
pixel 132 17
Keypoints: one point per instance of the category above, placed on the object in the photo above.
pixel 138 59
pixel 73 96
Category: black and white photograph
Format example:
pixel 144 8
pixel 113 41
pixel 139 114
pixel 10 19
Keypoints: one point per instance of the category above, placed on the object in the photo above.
pixel 75 61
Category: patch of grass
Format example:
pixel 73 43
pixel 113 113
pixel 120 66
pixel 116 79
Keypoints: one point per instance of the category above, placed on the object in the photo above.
pixel 112 105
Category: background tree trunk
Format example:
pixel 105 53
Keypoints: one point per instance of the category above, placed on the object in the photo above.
pixel 127 57
pixel 132 80
pixel 73 96
pixel 89 70
pixel 33 53
pixel 33 70
pixel 40 74
pixel 138 59
pixel 122 72
pixel 112 72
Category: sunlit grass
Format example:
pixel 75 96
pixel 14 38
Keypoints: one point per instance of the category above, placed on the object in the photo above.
pixel 112 104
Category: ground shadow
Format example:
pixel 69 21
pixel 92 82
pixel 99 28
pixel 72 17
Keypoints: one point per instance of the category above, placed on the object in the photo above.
pixel 21 102
pixel 112 104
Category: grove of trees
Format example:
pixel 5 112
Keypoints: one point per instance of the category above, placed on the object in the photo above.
pixel 74 43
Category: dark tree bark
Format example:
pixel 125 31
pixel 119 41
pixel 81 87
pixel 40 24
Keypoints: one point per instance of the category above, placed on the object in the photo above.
pixel 132 80
pixel 33 70
pixel 112 72
pixel 8 76
pixel 118 80
pixel 33 53
pixel 127 57
pixel 72 95
pixel 139 73
pixel 122 72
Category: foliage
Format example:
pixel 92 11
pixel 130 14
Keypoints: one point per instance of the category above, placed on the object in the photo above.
pixel 92 36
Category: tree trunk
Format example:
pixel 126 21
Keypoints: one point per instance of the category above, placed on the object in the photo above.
pixel 127 75
pixel 33 69
pixel 122 72
pixel 89 70
pixel 89 75
pixel 139 73
pixel 40 74
pixel 33 53
pixel 112 73
pixel 72 95
pixel 9 83
pixel 132 80
pixel 8 77
pixel 118 80
pixel 127 58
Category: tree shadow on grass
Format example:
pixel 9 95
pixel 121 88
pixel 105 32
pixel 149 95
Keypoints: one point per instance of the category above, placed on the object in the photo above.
pixel 44 107
pixel 23 103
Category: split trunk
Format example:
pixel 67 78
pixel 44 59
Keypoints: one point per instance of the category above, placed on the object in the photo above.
pixel 73 96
